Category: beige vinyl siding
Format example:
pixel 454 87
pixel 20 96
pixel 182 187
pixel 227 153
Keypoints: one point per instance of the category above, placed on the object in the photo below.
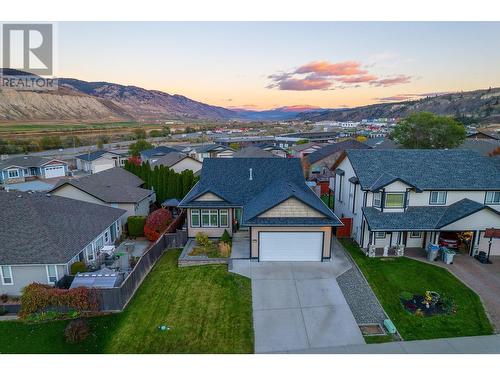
pixel 208 197
pixel 23 275
pixel 254 246
pixel 187 163
pixel 72 192
pixel 292 207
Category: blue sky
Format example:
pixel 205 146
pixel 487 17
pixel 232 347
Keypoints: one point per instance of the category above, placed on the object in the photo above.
pixel 265 65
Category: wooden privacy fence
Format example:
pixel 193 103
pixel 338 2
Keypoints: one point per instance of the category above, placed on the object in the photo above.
pixel 115 299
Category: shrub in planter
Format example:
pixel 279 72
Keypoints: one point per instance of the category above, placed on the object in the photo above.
pixel 202 239
pixel 4 298
pixel 78 267
pixel 3 310
pixel 135 226
pixel 76 331
pixel 226 238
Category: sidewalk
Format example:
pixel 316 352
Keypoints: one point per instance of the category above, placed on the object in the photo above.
pixel 457 345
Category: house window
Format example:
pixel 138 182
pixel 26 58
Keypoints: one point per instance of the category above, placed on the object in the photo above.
pixel 51 274
pixel 99 243
pixel 89 251
pixel 341 182
pixel 6 274
pixel 377 199
pixel 195 218
pixel 13 173
pixel 224 218
pixel 106 237
pixel 492 197
pixel 379 235
pixel 394 200
pixel 415 234
pixel 437 197
pixel 209 218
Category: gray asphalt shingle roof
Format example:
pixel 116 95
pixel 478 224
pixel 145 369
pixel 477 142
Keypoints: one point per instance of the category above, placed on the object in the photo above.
pixel 253 152
pixel 157 151
pixel 211 147
pixel 47 229
pixel 426 169
pixel 334 148
pixel 272 182
pixel 91 156
pixel 27 161
pixel 169 159
pixel 421 217
pixel 115 185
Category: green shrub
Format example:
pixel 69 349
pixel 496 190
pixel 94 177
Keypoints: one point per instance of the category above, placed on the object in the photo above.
pixel 406 296
pixel 136 226
pixel 202 239
pixel 226 238
pixel 3 310
pixel 78 267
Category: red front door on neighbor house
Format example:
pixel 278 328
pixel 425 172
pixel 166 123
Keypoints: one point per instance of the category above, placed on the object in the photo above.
pixel 345 231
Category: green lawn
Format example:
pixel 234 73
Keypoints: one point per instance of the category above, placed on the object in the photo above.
pixel 209 310
pixel 388 277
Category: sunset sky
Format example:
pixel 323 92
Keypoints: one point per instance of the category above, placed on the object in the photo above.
pixel 267 65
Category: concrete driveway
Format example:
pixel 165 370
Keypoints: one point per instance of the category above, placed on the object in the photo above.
pixel 299 305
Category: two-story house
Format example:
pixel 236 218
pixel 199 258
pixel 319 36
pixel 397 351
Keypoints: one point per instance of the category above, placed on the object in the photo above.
pixel 410 198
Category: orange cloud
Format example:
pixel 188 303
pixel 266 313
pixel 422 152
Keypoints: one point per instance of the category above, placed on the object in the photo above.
pixel 302 84
pixel 391 81
pixel 358 79
pixel 325 68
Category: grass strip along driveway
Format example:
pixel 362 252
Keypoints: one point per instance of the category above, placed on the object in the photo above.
pixel 208 309
pixel 388 277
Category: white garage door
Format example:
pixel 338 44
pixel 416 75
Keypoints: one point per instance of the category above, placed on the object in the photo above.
pixel 102 167
pixel 290 246
pixel 51 172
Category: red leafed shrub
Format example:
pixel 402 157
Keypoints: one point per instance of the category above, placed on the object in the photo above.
pixel 135 160
pixel 39 297
pixel 156 223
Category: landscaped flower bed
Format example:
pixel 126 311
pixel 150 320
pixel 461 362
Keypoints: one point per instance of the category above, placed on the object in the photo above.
pixel 429 304
pixel 211 248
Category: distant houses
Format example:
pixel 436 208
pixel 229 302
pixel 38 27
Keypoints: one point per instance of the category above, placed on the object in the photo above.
pixel 26 168
pixel 97 161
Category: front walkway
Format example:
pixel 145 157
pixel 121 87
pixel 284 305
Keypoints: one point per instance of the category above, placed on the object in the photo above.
pixel 299 305
pixel 484 279
pixel 240 248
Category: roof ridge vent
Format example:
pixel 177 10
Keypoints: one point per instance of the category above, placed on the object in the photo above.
pixel 250 174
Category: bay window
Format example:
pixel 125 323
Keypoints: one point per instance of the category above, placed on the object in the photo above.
pixel 209 218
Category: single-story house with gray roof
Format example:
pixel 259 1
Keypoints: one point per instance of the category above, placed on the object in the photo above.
pixel 178 162
pixel 401 198
pixel 113 187
pixel 270 201
pixel 43 235
pixel 22 168
pixel 100 160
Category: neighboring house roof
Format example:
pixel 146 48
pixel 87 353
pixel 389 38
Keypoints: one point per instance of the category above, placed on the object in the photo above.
pixel 91 156
pixel 271 183
pixel 333 148
pixel 381 143
pixel 46 229
pixel 172 202
pixel 114 185
pixel 420 218
pixel 483 146
pixel 493 134
pixel 305 146
pixel 211 147
pixel 157 151
pixel 268 146
pixel 253 152
pixel 27 161
pixel 171 159
pixel 426 169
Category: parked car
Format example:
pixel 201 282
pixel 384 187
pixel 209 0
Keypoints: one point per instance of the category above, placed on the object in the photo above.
pixel 449 240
